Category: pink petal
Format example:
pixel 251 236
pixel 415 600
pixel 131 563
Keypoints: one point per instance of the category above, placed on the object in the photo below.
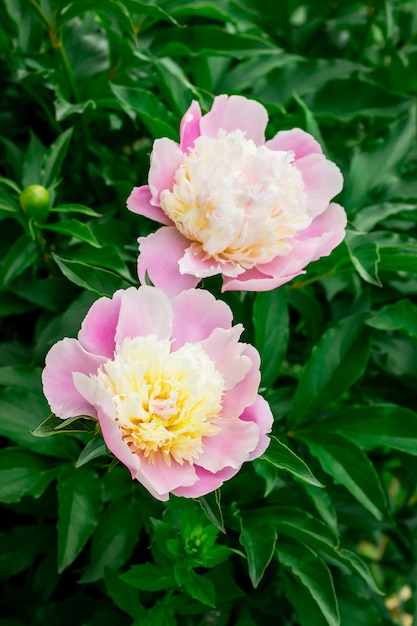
pixel 190 126
pixel 225 350
pixel 112 434
pixel 99 326
pixel 139 202
pixel 206 483
pixel 159 257
pixel 258 282
pixel 196 313
pixel 166 157
pixel 64 358
pixel 165 479
pixel 230 447
pixel 243 394
pixel 260 414
pixel 329 227
pixel 325 233
pixel 297 140
pixel 322 181
pixel 195 264
pixel 235 112
pixel 144 311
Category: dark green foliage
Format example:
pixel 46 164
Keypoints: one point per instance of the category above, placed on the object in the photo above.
pixel 324 523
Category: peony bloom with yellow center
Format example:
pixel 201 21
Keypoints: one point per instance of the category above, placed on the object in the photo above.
pixel 255 211
pixel 174 390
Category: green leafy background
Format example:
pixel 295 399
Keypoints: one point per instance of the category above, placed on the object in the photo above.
pixel 322 529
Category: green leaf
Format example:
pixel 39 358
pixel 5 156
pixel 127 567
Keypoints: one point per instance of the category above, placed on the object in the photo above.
pixel 283 458
pixel 54 157
pixel 387 425
pixel 150 577
pixel 323 504
pixel 365 99
pixel 11 184
pixel 377 167
pixel 23 473
pixel 259 541
pixel 271 325
pixel 336 362
pixel 21 412
pixel 372 215
pixel 359 566
pixel 31 168
pixel 399 259
pixel 76 208
pixel 123 595
pixel 307 610
pixel 211 506
pixel 210 40
pixel 20 546
pixel 149 109
pixel 114 538
pixel 200 588
pixel 314 575
pixel 21 377
pixel 21 255
pixel 292 522
pixel 53 425
pixel 64 109
pixel 348 465
pixel 366 259
pixel 402 315
pixel 52 293
pixel 75 228
pixel 79 506
pixel 95 279
pixel 94 449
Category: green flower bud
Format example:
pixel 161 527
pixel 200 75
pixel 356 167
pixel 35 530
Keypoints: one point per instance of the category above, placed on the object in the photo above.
pixel 35 202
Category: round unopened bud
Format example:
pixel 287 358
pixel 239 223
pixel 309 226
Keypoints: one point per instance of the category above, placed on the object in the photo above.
pixel 35 202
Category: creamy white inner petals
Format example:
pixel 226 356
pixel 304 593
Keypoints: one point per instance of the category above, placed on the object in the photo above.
pixel 240 202
pixel 165 401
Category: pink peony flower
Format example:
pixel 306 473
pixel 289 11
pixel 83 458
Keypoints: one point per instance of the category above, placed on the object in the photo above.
pixel 173 389
pixel 231 203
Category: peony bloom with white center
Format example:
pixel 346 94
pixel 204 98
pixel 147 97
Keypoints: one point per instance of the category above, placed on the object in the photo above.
pixel 257 212
pixel 173 388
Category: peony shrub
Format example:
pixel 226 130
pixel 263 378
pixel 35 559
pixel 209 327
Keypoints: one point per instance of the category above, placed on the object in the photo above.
pixel 257 212
pixel 174 390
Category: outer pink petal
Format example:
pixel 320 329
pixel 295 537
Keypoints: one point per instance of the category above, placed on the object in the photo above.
pixel 165 479
pixel 235 112
pixel 190 126
pixel 322 181
pixel 206 483
pixel 196 313
pixel 144 311
pixel 64 358
pixel 256 281
pixel 260 414
pixel 223 347
pixel 325 233
pixel 166 157
pixel 230 447
pixel 99 326
pixel 297 140
pixel 111 432
pixel 139 201
pixel 244 394
pixel 196 264
pixel 329 227
pixel 159 257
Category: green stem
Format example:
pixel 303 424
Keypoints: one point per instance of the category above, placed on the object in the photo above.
pixel 40 13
